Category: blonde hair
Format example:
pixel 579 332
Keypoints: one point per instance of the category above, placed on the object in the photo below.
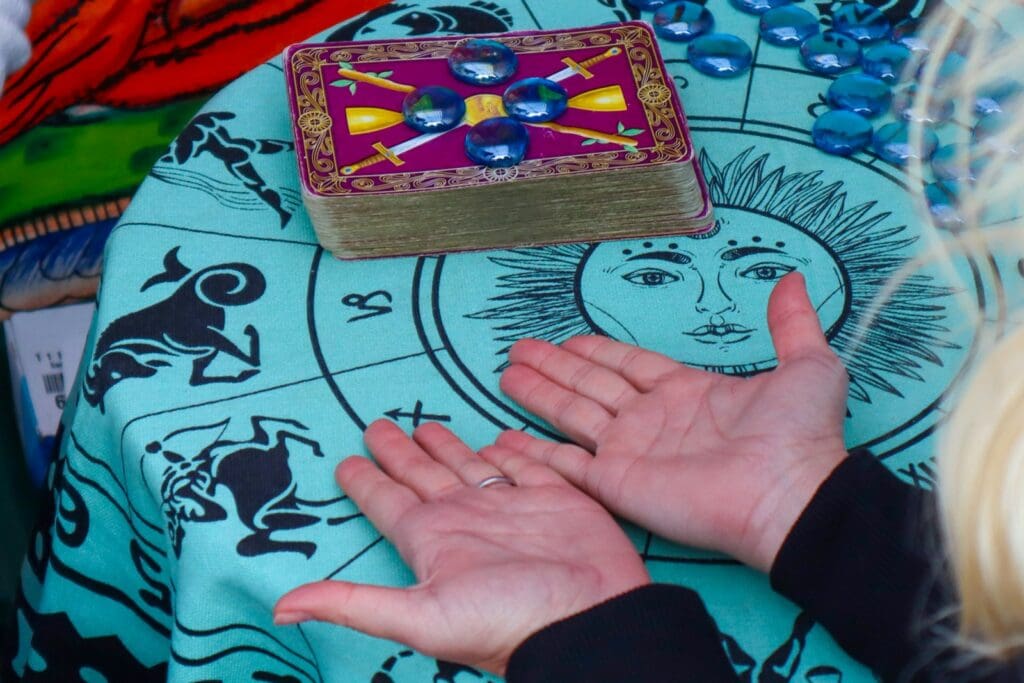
pixel 980 481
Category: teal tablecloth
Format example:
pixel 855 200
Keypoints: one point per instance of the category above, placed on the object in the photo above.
pixel 233 363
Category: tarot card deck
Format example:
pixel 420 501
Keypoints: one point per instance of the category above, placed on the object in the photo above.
pixel 447 144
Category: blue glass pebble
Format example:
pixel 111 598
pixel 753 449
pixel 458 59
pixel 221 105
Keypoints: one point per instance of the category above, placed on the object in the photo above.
pixel 939 111
pixel 647 4
pixel 433 109
pixel 990 126
pixel 861 94
pixel 720 54
pixel 498 143
pixel 989 132
pixel 758 6
pixel 841 133
pixel 952 65
pixel 683 21
pixel 947 165
pixel 536 100
pixel 886 61
pixel 942 198
pixel 985 105
pixel 830 53
pixel 905 34
pixel 483 62
pixel 892 144
pixel 863 22
pixel 994 98
pixel 788 25
pixel 959 162
pixel 979 165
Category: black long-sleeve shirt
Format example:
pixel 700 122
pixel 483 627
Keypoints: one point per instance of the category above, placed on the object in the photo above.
pixel 863 560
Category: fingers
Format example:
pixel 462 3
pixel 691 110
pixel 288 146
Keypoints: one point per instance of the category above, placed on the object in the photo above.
pixel 573 372
pixel 406 462
pixel 572 462
pixel 578 417
pixel 524 471
pixel 381 499
pixel 448 449
pixel 641 368
pixel 378 611
pixel 793 321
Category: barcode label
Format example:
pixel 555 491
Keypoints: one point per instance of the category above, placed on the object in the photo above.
pixel 54 383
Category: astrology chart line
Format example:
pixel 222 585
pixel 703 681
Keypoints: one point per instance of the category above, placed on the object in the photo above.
pixel 742 121
pixel 216 233
pixel 351 560
pixel 529 10
pixel 750 84
pixel 769 67
pixel 707 561
pixel 312 653
pixel 266 390
pixel 647 556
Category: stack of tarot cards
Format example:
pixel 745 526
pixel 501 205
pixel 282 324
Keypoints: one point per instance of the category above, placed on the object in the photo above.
pixel 519 139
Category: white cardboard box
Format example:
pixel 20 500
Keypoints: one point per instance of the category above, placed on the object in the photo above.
pixel 44 349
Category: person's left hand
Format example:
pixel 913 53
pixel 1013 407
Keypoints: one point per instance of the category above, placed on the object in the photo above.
pixel 494 564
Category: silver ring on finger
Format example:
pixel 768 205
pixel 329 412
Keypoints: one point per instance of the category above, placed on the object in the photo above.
pixel 495 481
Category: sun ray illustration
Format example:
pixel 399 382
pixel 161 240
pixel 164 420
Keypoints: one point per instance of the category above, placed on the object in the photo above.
pixel 541 291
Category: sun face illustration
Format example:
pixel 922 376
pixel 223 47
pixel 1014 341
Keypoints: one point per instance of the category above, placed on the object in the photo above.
pixel 711 292
pixel 702 299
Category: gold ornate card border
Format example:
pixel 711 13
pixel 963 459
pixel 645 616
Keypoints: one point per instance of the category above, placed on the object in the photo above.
pixel 313 124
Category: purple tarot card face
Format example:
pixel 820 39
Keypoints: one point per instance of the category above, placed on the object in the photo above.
pixel 346 100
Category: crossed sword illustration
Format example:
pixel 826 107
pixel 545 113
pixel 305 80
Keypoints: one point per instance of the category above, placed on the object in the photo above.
pixel 479 108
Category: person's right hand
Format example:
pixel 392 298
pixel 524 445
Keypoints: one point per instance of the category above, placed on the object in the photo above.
pixel 720 462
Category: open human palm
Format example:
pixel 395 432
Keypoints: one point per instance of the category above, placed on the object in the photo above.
pixel 726 463
pixel 493 564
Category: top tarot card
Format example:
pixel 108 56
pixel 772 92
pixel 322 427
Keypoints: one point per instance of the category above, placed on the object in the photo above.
pixel 624 111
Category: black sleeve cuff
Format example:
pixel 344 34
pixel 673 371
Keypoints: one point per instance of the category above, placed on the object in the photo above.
pixel 864 562
pixel 654 633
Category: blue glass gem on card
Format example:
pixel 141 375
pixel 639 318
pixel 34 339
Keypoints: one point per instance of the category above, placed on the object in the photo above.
pixel 722 55
pixel 935 112
pixel 788 25
pixel 433 109
pixel 892 143
pixel 758 6
pixel 498 143
pixel 647 4
pixel 886 61
pixel 841 133
pixel 830 53
pixel 861 94
pixel 683 21
pixel 483 62
pixel 863 22
pixel 536 100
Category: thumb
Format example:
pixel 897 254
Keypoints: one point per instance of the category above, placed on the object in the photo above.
pixel 390 613
pixel 793 322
